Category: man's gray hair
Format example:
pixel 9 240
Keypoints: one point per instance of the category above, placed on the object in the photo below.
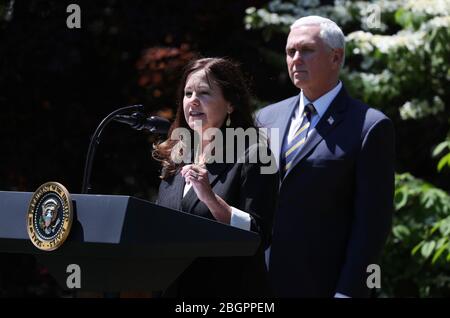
pixel 330 32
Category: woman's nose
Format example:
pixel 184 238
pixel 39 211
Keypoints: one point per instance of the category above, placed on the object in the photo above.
pixel 193 99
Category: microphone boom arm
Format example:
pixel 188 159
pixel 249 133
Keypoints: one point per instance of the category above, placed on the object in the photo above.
pixel 95 140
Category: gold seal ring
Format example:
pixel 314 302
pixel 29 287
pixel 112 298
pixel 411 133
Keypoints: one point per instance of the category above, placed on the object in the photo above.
pixel 50 216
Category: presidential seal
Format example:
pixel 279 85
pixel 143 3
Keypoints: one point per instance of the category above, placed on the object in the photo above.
pixel 49 216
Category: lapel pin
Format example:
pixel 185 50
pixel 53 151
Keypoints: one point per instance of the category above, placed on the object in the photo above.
pixel 330 120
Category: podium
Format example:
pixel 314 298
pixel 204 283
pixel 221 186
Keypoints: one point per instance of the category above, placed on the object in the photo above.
pixel 123 243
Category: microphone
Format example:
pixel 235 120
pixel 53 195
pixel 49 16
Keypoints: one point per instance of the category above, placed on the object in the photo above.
pixel 139 121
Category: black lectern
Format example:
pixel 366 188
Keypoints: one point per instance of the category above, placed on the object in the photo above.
pixel 123 243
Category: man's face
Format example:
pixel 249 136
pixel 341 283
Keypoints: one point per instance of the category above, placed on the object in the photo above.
pixel 312 64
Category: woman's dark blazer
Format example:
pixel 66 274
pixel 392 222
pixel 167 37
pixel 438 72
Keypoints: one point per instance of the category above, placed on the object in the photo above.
pixel 243 186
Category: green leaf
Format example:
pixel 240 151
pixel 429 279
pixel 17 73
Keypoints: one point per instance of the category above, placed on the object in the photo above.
pixel 439 253
pixel 444 227
pixel 416 248
pixel 402 18
pixel 427 248
pixel 442 241
pixel 435 227
pixel 401 231
pixel 401 197
pixel 439 148
pixel 443 162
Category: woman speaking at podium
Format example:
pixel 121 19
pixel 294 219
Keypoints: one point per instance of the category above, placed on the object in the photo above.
pixel 199 177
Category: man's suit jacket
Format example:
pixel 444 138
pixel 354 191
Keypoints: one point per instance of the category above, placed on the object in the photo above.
pixel 242 186
pixel 335 204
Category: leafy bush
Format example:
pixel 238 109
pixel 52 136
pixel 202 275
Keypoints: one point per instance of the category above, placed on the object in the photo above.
pixel 417 255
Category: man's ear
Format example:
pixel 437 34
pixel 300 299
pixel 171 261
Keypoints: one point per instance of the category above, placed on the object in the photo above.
pixel 337 56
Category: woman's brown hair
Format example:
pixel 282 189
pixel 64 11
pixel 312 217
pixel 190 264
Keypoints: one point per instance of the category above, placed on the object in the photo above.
pixel 229 78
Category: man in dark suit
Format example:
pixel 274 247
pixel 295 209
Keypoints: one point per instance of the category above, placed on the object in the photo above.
pixel 336 161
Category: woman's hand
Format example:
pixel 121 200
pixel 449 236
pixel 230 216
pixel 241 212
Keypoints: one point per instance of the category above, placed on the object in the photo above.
pixel 198 176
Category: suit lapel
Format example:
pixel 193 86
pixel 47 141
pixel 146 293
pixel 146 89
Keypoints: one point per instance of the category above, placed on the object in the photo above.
pixel 177 192
pixel 189 202
pixel 283 123
pixel 331 119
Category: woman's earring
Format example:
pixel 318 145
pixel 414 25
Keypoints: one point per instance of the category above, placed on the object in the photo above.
pixel 228 123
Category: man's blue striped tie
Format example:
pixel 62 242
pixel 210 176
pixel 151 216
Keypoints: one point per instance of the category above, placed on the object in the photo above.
pixel 291 149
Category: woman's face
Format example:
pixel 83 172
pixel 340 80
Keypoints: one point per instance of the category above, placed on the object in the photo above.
pixel 204 102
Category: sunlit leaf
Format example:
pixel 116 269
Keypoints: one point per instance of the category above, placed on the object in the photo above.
pixel 401 231
pixel 416 248
pixel 427 248
pixel 445 161
pixel 439 253
pixel 439 148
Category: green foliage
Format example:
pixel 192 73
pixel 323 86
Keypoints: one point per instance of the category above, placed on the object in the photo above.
pixel 443 147
pixel 392 63
pixel 422 213
pixel 417 255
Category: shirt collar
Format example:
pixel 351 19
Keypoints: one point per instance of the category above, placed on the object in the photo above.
pixel 322 103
